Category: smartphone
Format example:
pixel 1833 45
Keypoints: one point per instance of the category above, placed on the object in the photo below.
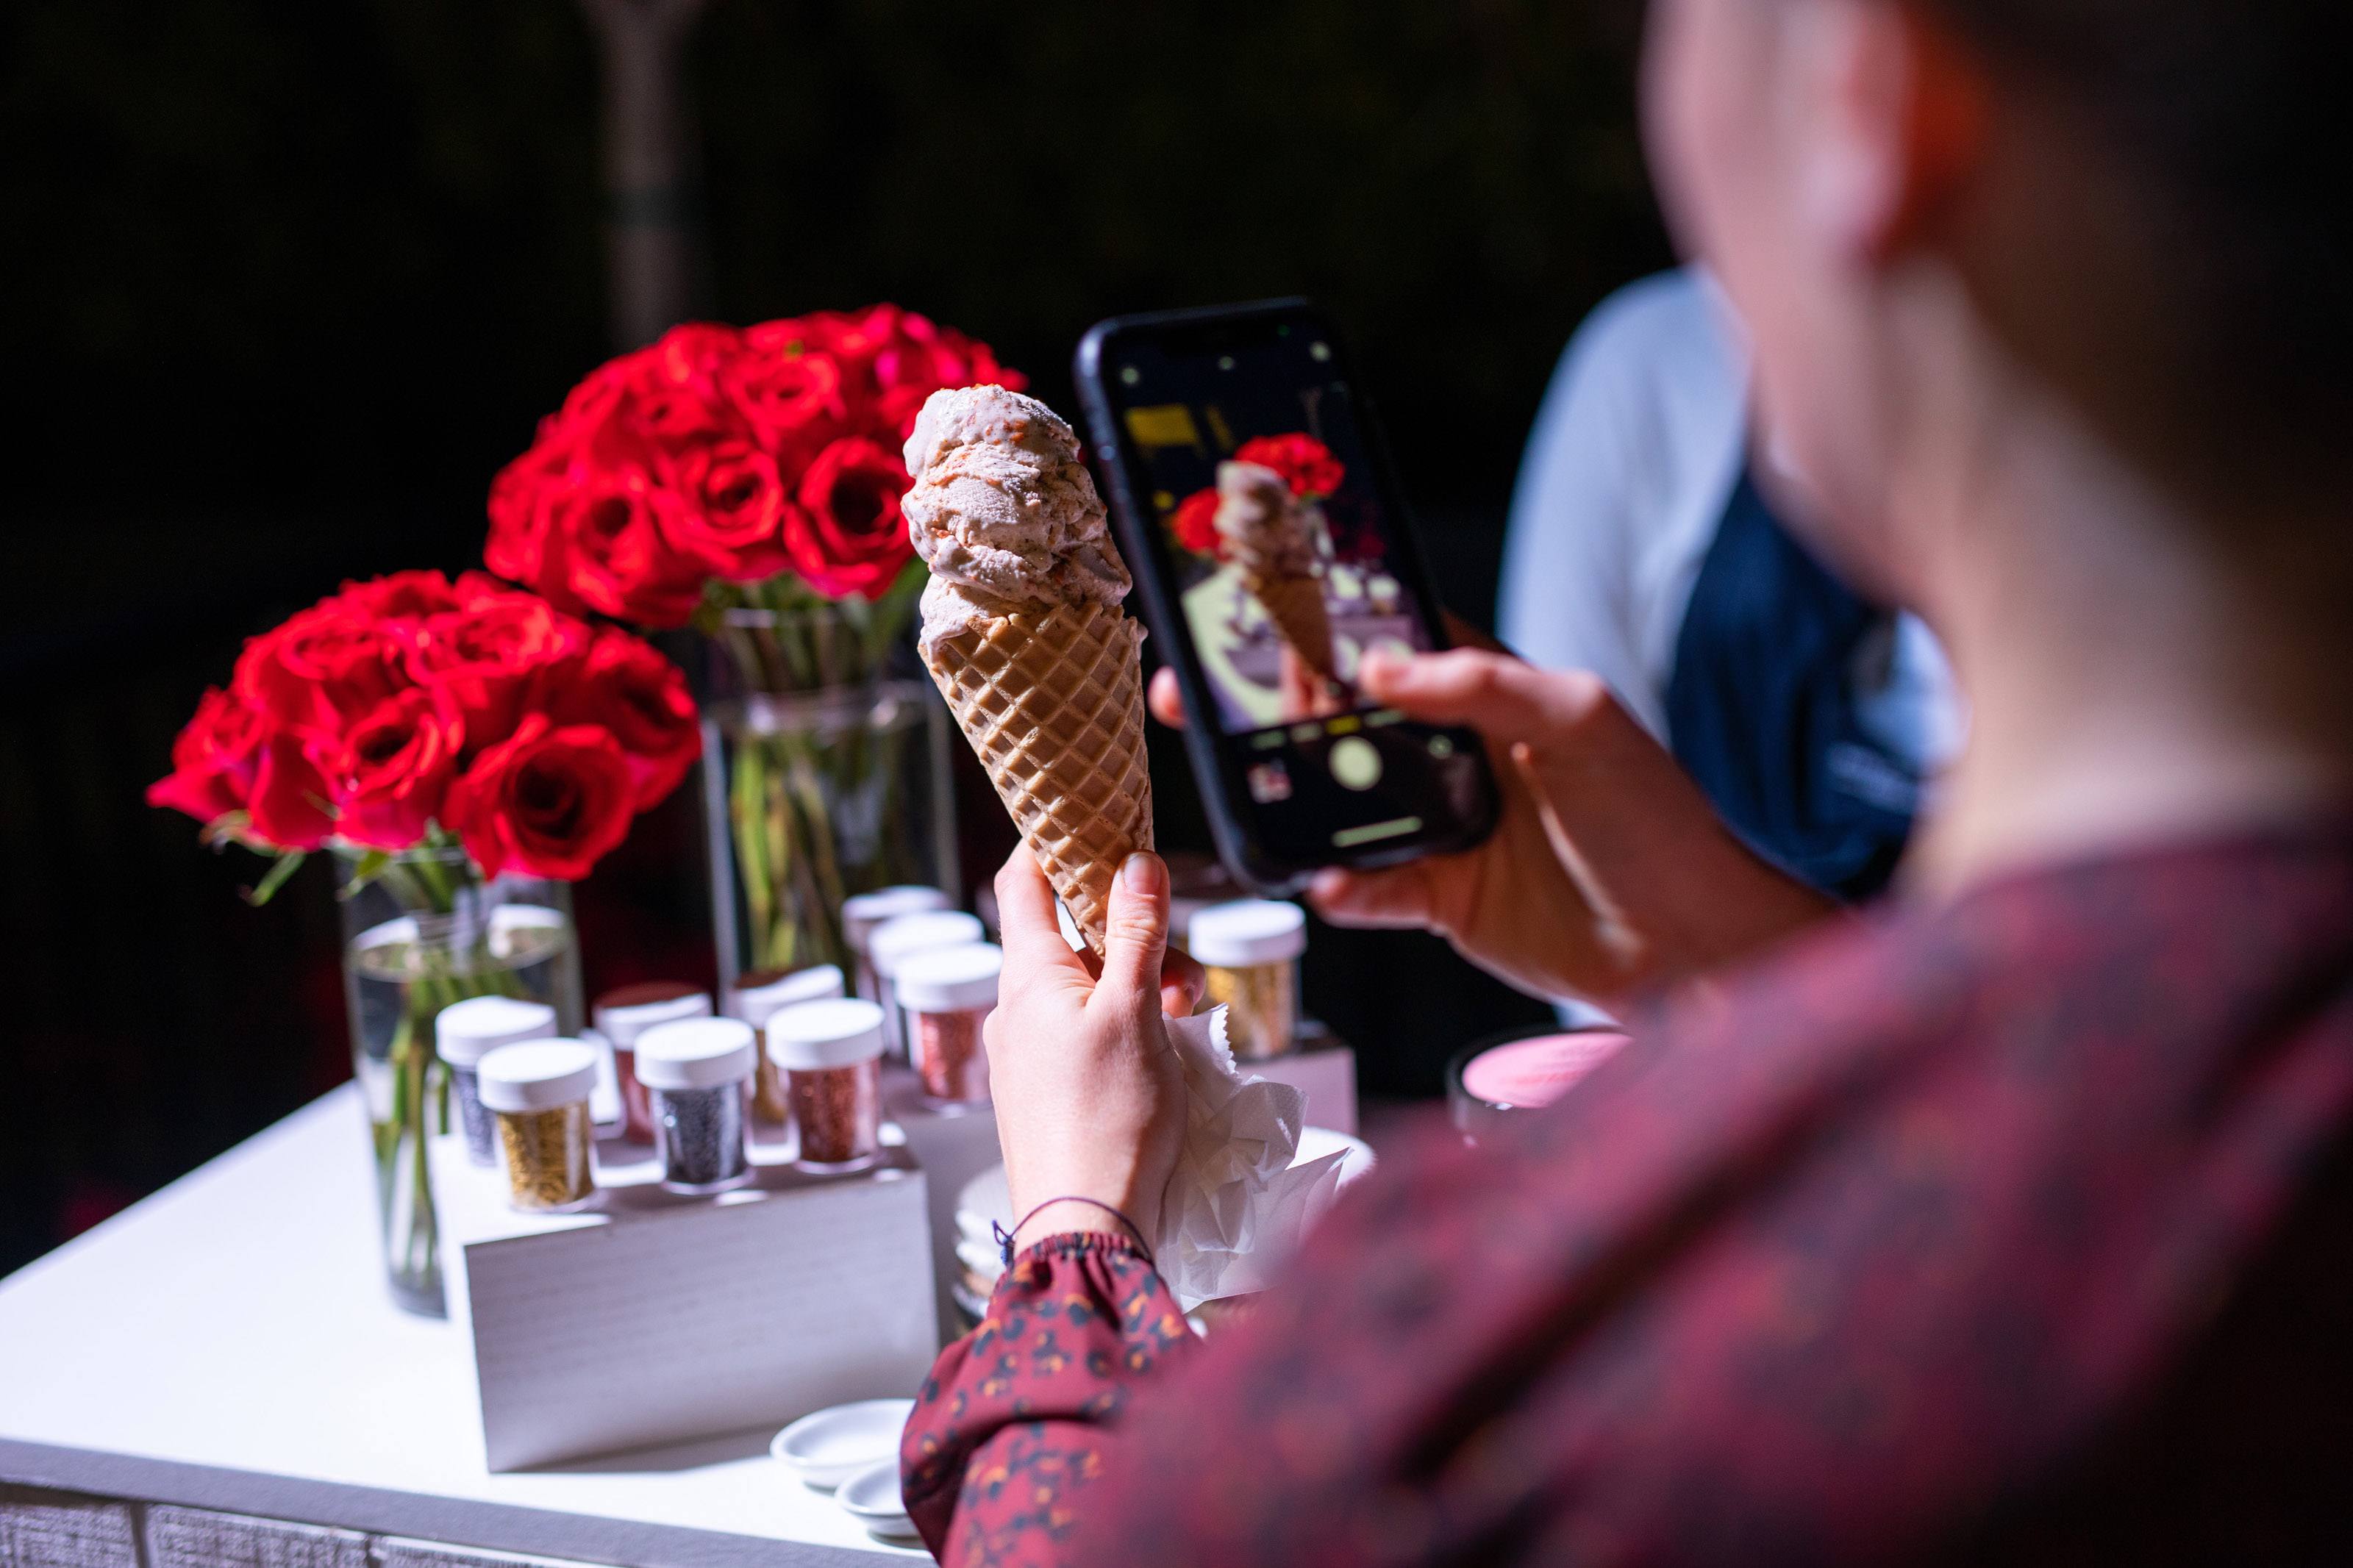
pixel 1256 506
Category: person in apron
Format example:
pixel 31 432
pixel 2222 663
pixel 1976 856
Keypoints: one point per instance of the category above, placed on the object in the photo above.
pixel 1644 548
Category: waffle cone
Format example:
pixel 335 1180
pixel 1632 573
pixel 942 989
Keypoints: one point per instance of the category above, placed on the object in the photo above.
pixel 1296 605
pixel 1053 702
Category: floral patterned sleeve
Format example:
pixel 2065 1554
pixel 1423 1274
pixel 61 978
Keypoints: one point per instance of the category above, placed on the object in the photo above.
pixel 1017 1416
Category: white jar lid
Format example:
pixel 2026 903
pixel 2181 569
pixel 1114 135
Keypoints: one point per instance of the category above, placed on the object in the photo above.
pixel 861 913
pixel 539 1075
pixel 1248 931
pixel 835 1033
pixel 752 1004
pixel 464 1031
pixel 696 1053
pixel 894 940
pixel 950 979
pixel 622 1016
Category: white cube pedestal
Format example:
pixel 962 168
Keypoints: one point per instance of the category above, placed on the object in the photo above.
pixel 653 1317
pixel 953 1147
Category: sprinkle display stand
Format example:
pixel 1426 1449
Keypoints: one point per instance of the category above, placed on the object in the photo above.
pixel 653 1316
pixel 952 1149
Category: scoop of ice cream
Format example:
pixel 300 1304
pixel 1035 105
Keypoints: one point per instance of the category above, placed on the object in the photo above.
pixel 1266 531
pixel 1002 510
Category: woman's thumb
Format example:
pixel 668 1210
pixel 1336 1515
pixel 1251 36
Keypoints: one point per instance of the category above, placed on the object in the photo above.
pixel 1135 930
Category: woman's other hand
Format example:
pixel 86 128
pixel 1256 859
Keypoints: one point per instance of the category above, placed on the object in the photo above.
pixel 1090 1099
pixel 1609 872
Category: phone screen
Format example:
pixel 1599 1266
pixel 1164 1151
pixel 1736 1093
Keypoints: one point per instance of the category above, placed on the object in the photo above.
pixel 1249 459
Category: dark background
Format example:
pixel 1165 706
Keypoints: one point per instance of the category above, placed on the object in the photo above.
pixel 291 281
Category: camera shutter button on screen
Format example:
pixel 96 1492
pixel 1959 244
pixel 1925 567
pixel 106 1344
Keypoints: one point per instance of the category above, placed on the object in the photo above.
pixel 1355 763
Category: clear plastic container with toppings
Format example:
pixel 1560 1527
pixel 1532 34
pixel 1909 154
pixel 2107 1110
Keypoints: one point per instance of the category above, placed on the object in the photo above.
pixel 947 994
pixel 895 941
pixel 539 1091
pixel 1251 949
pixel 755 998
pixel 622 1017
pixel 1508 1076
pixel 696 1072
pixel 464 1033
pixel 863 914
pixel 831 1054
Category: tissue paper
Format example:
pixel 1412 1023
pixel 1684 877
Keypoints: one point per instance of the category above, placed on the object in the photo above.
pixel 1235 1206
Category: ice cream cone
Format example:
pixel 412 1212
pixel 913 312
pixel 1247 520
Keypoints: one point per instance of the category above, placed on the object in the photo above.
pixel 1296 605
pixel 1051 698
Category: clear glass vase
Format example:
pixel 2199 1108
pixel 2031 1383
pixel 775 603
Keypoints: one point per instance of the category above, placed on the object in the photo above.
pixel 825 776
pixel 423 930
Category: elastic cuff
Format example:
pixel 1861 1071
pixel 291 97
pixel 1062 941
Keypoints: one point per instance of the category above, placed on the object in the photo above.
pixel 1077 1243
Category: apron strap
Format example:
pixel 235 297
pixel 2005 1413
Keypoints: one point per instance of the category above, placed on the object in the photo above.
pixel 1762 709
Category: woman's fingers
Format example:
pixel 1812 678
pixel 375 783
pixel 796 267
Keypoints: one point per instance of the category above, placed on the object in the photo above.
pixel 1404 895
pixel 1034 948
pixel 1136 935
pixel 1501 698
pixel 1182 984
pixel 1166 698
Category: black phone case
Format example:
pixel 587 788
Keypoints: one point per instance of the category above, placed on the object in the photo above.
pixel 1215 768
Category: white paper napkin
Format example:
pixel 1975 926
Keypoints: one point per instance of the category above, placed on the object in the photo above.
pixel 1235 1207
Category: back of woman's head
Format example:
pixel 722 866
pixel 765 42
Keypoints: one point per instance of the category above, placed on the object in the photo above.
pixel 2198 292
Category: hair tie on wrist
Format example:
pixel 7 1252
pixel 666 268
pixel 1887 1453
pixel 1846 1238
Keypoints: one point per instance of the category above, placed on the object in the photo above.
pixel 1005 1237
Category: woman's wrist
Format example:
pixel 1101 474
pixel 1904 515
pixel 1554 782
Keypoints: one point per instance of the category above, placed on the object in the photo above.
pixel 1072 1216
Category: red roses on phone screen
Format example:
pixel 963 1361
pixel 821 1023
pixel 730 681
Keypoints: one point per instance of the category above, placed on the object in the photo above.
pixel 413 702
pixel 732 455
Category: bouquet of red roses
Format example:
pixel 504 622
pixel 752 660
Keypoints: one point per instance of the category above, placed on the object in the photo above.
pixel 1306 465
pixel 747 480
pixel 724 467
pixel 411 712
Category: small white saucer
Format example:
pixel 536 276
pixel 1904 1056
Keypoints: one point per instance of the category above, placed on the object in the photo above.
pixel 827 1447
pixel 871 1497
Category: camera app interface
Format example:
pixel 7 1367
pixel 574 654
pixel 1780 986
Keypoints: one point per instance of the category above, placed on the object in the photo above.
pixel 1280 551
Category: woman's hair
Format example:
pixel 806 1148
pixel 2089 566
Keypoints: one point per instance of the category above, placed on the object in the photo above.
pixel 2214 295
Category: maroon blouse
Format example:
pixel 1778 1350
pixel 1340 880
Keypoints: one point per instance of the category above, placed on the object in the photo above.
pixel 2015 1230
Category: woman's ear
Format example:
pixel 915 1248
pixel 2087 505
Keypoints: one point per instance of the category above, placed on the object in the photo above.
pixel 1900 126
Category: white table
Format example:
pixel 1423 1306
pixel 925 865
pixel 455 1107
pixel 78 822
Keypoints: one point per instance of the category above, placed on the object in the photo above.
pixel 228 1345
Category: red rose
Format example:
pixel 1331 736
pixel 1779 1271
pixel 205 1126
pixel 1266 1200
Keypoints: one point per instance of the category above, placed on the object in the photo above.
pixel 214 760
pixel 288 807
pixel 1306 465
pixel 671 389
pixel 1194 524
pixel 851 539
pixel 323 668
pixel 731 518
pixel 789 393
pixel 547 801
pixel 597 537
pixel 483 654
pixel 388 774
pixel 629 688
pixel 401 596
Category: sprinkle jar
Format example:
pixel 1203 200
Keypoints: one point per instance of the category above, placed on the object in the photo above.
pixel 539 1092
pixel 831 1053
pixel 945 994
pixel 622 1017
pixel 694 1072
pixel 1505 1076
pixel 863 914
pixel 1251 949
pixel 756 997
pixel 463 1034
pixel 895 941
